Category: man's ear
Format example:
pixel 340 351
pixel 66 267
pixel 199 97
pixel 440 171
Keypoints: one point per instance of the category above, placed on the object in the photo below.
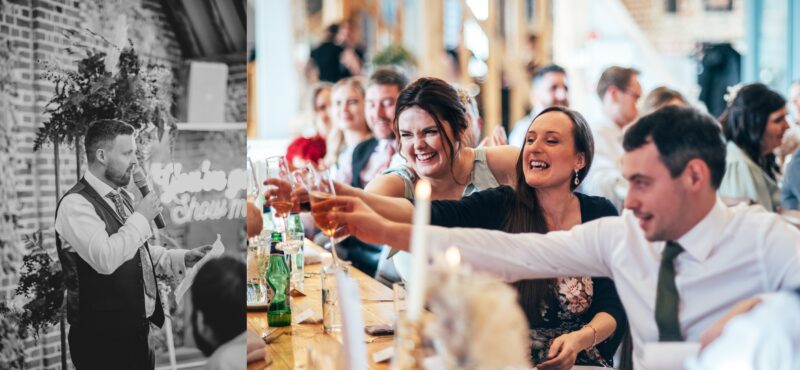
pixel 100 155
pixel 696 174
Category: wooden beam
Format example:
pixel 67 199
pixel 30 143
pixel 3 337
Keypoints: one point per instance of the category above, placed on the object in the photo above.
pixel 397 27
pixel 493 114
pixel 518 37
pixel 432 38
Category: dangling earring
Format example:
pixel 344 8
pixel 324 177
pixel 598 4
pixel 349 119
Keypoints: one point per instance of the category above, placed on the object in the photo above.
pixel 576 178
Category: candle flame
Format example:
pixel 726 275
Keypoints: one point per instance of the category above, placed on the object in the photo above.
pixel 452 256
pixel 423 190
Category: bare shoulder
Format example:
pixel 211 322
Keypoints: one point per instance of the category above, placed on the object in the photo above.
pixel 388 185
pixel 502 161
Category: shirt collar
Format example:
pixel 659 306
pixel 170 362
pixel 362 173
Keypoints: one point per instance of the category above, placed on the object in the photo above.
pixel 699 241
pixel 99 186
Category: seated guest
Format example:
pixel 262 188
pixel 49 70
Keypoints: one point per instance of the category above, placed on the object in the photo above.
pixel 758 333
pixel 618 90
pixel 218 313
pixel 568 316
pixel 430 126
pixel 383 88
pixel 320 105
pixel 347 108
pixel 790 193
pixel 662 96
pixel 303 151
pixel 753 122
pixel 549 87
pixel 679 257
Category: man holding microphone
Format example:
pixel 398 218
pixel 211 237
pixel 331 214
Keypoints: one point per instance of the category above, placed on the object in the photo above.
pixel 109 267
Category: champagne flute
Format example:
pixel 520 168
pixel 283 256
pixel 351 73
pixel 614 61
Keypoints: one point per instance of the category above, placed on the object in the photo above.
pixel 253 187
pixel 322 194
pixel 281 200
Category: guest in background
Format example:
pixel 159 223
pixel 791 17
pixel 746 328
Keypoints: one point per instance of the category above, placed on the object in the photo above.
pixel 373 156
pixel 619 90
pixel 347 109
pixel 383 88
pixel 473 135
pixel 753 123
pixel 303 150
pixel 320 104
pixel 549 87
pixel 572 319
pixel 662 96
pixel 218 313
pixel 679 257
pixel 336 57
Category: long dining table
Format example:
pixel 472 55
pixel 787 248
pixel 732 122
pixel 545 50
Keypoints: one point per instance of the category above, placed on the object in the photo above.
pixel 289 346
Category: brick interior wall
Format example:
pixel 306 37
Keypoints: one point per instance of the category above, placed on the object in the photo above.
pixel 36 29
pixel 677 34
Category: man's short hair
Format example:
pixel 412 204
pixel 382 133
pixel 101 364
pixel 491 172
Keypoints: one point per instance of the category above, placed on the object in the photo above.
pixel 390 75
pixel 618 77
pixel 219 293
pixel 681 134
pixel 101 132
pixel 550 68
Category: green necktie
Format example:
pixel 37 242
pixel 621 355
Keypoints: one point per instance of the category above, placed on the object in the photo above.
pixel 669 328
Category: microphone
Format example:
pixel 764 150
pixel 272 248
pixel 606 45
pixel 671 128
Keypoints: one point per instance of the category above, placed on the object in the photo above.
pixel 144 188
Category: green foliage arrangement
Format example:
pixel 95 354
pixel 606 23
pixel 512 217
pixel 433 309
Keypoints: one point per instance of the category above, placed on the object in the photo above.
pixel 393 54
pixel 12 350
pixel 136 93
pixel 42 285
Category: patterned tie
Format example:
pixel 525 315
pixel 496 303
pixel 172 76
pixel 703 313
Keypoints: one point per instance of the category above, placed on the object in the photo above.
pixel 147 266
pixel 669 328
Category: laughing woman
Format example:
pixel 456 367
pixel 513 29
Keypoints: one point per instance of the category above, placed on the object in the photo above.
pixel 572 319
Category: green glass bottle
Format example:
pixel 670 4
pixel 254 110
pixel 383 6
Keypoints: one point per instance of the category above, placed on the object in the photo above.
pixel 278 275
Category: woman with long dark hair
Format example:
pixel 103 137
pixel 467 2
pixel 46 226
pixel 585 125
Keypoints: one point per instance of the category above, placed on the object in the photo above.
pixel 753 124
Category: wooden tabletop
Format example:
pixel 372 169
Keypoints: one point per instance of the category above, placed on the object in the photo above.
pixel 289 349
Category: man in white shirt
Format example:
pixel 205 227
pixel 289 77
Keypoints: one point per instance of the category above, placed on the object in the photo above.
pixel 678 256
pixel 110 270
pixel 549 87
pixel 619 90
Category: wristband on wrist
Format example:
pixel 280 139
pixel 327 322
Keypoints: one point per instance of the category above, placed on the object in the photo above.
pixel 594 334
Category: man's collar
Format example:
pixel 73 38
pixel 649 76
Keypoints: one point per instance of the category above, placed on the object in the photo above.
pixel 101 187
pixel 700 239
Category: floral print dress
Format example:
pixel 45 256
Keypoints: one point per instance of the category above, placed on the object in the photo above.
pixel 567 313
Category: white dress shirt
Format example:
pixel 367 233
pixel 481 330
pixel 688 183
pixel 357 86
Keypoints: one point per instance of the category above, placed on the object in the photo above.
pixel 84 232
pixel 730 255
pixel 605 176
pixel 379 160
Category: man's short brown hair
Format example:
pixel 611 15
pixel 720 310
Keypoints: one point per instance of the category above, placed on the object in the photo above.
pixel 616 76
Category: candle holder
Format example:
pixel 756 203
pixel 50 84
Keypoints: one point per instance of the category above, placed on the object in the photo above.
pixel 409 345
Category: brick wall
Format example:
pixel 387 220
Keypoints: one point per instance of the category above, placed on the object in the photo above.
pixel 35 29
pixel 676 34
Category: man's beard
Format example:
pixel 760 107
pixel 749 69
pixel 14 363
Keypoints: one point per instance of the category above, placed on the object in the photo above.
pixel 121 179
pixel 202 344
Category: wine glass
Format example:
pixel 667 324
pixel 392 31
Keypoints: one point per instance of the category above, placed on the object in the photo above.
pixel 253 187
pixel 280 200
pixel 322 195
